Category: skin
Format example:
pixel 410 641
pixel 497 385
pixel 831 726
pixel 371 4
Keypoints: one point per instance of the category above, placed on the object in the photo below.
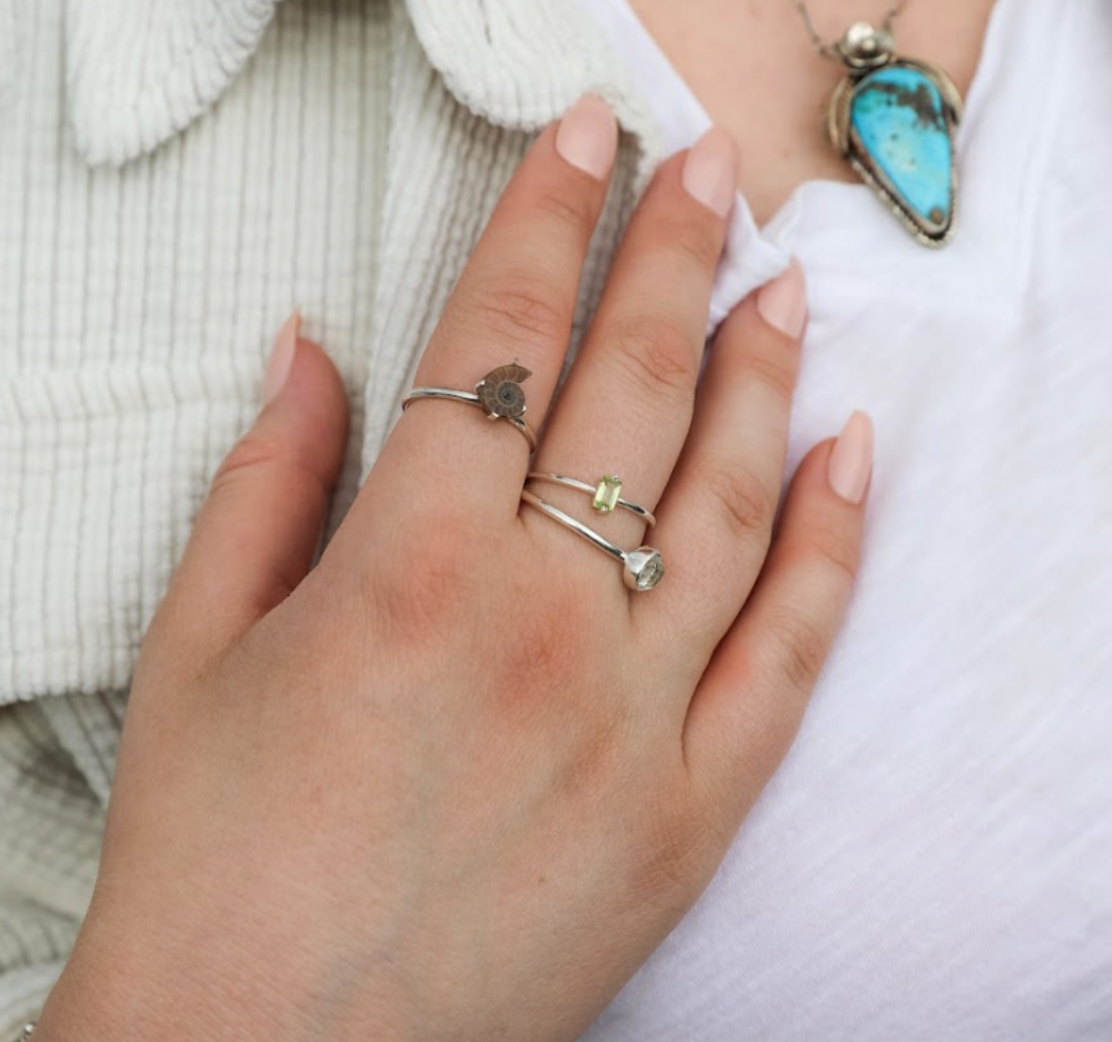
pixel 755 70
pixel 433 788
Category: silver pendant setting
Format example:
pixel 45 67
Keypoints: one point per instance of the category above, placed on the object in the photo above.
pixel 892 119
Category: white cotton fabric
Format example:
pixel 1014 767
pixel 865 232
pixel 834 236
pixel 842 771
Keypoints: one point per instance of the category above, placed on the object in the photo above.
pixel 932 861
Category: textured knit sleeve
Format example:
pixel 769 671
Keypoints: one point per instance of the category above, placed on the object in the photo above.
pixel 159 220
pixel 137 303
pixel 50 828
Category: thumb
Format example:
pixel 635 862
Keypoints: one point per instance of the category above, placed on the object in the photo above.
pixel 255 536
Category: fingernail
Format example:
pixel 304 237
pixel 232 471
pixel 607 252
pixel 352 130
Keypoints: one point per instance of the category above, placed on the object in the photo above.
pixel 782 303
pixel 710 171
pixel 851 461
pixel 588 136
pixel 281 357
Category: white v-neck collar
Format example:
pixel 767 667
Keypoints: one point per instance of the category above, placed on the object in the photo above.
pixel 140 71
pixel 840 220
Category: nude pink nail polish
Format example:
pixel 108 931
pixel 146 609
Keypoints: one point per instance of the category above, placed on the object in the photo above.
pixel 851 461
pixel 782 303
pixel 588 136
pixel 281 357
pixel 710 171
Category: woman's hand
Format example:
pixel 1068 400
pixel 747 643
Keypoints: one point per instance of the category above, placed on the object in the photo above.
pixel 457 781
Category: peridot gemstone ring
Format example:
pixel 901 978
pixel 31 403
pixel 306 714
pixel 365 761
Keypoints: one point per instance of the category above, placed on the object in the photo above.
pixel 604 495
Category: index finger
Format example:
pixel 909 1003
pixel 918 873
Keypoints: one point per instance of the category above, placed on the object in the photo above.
pixel 514 302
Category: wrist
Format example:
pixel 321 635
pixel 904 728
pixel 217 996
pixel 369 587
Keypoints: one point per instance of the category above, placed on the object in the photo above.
pixel 136 992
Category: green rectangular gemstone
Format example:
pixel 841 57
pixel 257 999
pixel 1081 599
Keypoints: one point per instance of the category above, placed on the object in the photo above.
pixel 606 495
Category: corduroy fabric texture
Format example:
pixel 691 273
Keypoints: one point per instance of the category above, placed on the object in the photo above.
pixel 175 177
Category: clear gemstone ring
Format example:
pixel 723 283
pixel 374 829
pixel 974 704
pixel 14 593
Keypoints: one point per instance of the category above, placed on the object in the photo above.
pixel 642 569
pixel 604 495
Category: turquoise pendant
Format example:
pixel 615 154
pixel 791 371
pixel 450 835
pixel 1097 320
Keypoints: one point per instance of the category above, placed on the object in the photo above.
pixel 893 119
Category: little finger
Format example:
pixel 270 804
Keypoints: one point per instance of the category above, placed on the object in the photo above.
pixel 747 708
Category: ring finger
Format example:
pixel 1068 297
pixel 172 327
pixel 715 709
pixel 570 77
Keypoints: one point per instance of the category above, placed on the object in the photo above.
pixel 719 507
pixel 626 406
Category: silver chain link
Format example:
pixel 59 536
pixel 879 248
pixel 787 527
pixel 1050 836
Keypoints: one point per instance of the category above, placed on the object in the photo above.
pixel 828 50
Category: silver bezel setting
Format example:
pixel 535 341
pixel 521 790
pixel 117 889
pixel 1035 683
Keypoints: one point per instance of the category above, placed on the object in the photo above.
pixel 863 47
pixel 644 569
pixel 846 141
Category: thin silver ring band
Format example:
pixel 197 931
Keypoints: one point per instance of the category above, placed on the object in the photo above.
pixel 634 562
pixel 583 486
pixel 469 398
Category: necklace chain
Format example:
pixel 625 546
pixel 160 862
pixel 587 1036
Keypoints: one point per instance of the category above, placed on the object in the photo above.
pixel 827 50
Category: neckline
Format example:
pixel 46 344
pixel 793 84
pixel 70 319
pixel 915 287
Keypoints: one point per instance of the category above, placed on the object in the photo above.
pixel 979 88
pixel 833 210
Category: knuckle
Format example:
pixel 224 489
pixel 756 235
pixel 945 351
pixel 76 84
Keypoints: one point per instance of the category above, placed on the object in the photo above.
pixel 655 355
pixel 776 375
pixel 252 450
pixel 568 207
pixel 669 215
pixel 257 451
pixel 536 658
pixel 798 650
pixel 835 550
pixel 744 502
pixel 520 306
pixel 423 586
pixel 696 241
pixel 680 850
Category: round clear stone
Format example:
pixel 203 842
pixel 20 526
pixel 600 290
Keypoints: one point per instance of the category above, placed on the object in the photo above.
pixel 644 568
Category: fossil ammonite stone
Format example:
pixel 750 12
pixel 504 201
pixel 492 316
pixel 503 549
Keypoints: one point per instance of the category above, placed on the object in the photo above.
pixel 500 392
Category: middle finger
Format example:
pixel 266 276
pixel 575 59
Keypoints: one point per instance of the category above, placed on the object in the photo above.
pixel 626 406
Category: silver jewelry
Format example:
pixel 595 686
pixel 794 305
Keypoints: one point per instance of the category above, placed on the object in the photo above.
pixel 892 119
pixel 26 1033
pixel 643 568
pixel 828 50
pixel 604 495
pixel 498 394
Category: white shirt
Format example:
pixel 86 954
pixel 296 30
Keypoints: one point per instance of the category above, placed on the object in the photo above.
pixel 934 859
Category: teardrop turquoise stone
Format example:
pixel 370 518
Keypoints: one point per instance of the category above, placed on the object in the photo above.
pixel 901 127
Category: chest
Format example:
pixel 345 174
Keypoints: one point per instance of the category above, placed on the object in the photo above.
pixel 756 72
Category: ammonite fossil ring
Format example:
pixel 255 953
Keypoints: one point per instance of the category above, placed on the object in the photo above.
pixel 498 394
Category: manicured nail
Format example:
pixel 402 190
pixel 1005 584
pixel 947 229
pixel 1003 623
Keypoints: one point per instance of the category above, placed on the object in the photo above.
pixel 588 136
pixel 782 303
pixel 281 357
pixel 710 171
pixel 851 461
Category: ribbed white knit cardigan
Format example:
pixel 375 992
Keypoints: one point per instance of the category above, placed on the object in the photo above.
pixel 176 176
